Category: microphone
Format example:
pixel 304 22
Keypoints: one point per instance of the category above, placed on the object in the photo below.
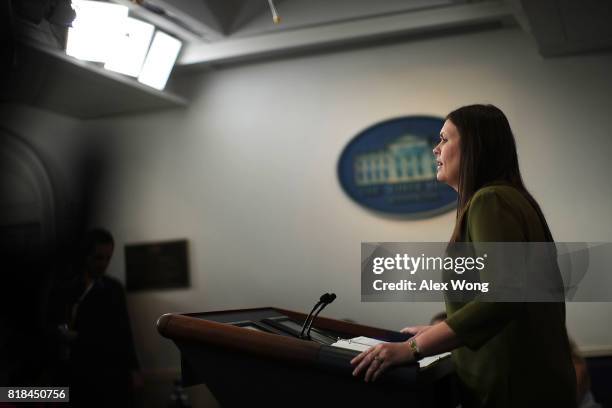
pixel 325 300
pixel 328 298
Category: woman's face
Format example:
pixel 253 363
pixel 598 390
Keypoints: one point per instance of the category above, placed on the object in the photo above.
pixel 448 155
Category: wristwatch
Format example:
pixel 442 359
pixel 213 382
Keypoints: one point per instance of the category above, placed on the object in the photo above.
pixel 414 347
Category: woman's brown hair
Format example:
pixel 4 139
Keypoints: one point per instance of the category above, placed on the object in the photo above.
pixel 488 156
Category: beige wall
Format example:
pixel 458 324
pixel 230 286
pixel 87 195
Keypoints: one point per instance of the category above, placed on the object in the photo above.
pixel 248 173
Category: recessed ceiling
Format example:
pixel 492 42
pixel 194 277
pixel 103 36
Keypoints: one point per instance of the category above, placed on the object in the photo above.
pixel 229 30
pixel 236 18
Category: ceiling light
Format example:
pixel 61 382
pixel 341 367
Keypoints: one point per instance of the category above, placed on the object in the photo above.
pixel 160 60
pixel 129 47
pixel 88 36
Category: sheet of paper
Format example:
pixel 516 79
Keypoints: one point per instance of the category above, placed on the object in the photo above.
pixel 360 343
pixel 366 341
pixel 424 362
pixel 345 344
pixel 363 343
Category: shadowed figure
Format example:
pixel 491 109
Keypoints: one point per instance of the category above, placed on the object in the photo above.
pixel 103 366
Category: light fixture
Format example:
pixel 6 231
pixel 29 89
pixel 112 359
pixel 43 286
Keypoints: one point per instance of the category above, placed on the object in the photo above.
pixel 88 36
pixel 103 32
pixel 159 62
pixel 129 47
pixel 275 17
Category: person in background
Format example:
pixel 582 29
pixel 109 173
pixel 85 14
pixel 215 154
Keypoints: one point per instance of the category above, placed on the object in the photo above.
pixel 103 366
pixel 584 397
pixel 506 354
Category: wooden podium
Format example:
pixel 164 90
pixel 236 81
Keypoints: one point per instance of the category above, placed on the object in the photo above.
pixel 254 356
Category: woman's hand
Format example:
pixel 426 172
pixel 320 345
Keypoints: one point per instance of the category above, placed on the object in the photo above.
pixel 376 360
pixel 414 330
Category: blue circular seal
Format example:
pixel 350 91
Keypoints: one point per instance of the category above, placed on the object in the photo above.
pixel 390 167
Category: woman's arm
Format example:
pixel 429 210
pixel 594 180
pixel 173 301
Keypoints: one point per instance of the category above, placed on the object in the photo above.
pixel 438 339
pixel 414 330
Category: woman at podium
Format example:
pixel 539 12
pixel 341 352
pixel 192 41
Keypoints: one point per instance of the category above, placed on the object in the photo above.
pixel 506 354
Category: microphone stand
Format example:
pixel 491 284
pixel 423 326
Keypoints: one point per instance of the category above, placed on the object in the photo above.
pixel 319 303
pixel 325 302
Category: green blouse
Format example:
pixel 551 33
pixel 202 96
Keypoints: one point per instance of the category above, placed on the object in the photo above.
pixel 514 354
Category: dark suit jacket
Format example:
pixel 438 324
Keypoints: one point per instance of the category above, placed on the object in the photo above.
pixel 103 355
